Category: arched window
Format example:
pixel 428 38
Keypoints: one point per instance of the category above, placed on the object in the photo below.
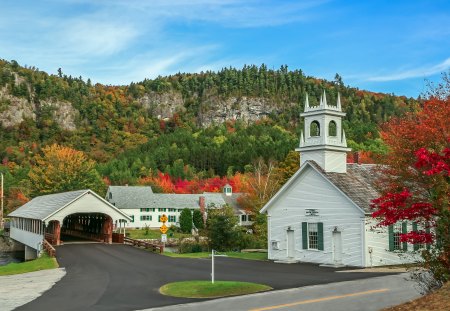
pixel 314 129
pixel 332 129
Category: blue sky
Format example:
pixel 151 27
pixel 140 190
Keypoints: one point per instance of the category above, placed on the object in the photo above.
pixel 382 46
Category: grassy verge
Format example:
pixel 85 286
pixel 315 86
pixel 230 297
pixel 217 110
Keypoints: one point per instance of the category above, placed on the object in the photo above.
pixel 153 234
pixel 204 289
pixel 250 256
pixel 436 301
pixel 42 263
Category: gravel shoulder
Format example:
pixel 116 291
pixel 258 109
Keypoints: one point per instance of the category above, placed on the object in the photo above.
pixel 19 289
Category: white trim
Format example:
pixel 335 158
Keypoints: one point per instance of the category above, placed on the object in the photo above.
pixel 291 181
pixel 82 195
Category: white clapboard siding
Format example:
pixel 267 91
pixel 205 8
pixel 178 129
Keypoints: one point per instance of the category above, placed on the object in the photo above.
pixel 377 240
pixel 312 191
pixel 154 223
pixel 28 238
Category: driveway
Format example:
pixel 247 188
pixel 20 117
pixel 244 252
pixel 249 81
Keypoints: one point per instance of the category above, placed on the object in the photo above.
pixel 121 277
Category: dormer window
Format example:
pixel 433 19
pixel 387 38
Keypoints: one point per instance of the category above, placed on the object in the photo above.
pixel 228 190
pixel 314 129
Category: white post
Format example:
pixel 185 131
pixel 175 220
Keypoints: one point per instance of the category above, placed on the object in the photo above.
pixel 1 204
pixel 212 266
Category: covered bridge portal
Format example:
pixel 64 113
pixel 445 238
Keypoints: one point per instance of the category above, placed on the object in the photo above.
pixel 63 217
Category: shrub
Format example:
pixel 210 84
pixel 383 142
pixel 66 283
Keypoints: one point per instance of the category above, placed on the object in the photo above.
pixel 186 220
pixel 188 246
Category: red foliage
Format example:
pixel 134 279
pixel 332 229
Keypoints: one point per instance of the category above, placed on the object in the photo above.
pixel 215 184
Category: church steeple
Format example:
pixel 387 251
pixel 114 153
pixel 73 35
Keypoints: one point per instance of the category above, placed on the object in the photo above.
pixel 324 140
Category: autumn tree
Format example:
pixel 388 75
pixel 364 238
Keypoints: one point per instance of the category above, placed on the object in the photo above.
pixel 416 184
pixel 61 169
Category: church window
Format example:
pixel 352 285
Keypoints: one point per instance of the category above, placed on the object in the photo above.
pixel 312 235
pixel 314 129
pixel 332 129
pixel 395 231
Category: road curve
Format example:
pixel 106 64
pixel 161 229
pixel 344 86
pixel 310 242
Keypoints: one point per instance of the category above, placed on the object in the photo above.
pixel 120 277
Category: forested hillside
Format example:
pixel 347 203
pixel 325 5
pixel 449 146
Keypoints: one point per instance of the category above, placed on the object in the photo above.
pixel 207 124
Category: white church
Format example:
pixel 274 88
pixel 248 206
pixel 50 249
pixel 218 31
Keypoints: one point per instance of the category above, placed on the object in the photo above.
pixel 322 214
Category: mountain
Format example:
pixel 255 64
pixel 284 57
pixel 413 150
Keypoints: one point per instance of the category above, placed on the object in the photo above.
pixel 217 122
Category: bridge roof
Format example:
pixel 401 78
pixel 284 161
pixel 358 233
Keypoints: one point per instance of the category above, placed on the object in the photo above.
pixel 43 206
pixel 47 206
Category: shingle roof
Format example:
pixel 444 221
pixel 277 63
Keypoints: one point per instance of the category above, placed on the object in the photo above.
pixel 143 197
pixel 136 197
pixel 230 200
pixel 125 197
pixel 43 206
pixel 359 183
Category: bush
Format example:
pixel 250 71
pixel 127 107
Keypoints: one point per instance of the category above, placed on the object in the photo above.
pixel 187 246
pixel 248 240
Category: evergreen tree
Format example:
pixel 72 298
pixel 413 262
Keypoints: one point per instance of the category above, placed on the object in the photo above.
pixel 186 220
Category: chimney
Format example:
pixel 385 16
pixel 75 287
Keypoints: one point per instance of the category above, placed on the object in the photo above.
pixel 201 203
pixel 356 157
pixel 126 185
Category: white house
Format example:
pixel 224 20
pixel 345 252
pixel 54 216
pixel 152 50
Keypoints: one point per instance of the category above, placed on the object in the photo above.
pixel 145 207
pixel 322 214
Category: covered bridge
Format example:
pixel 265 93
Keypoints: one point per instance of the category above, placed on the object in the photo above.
pixel 80 214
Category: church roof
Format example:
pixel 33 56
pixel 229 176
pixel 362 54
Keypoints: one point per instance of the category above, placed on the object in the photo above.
pixel 358 183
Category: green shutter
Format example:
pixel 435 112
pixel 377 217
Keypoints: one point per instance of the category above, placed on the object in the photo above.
pixel 414 229
pixel 391 237
pixel 305 235
pixel 404 231
pixel 320 235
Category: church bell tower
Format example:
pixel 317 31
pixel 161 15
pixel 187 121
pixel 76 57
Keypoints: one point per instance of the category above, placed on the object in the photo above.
pixel 324 138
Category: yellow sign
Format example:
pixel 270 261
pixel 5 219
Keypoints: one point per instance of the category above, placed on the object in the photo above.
pixel 163 218
pixel 163 229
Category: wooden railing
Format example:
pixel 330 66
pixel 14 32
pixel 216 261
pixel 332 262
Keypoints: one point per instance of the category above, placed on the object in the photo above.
pixel 157 248
pixel 49 248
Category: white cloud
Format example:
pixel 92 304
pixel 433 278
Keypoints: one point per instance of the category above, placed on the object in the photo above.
pixel 86 37
pixel 421 72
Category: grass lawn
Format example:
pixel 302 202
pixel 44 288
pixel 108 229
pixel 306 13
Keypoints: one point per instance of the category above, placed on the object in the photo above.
pixel 436 301
pixel 250 256
pixel 42 263
pixel 153 234
pixel 204 289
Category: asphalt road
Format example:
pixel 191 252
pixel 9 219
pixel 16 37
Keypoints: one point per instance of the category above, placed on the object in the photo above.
pixel 360 295
pixel 120 277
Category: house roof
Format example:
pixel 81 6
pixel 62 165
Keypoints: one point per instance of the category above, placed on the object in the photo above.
pixel 43 206
pixel 136 197
pixel 125 197
pixel 230 200
pixel 358 183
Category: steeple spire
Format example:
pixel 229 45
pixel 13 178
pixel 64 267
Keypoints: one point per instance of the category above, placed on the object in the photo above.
pixel 338 104
pixel 323 139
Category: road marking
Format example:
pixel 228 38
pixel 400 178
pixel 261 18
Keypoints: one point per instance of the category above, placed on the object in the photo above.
pixel 303 302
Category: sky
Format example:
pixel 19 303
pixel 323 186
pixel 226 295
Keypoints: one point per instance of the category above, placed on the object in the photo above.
pixel 383 46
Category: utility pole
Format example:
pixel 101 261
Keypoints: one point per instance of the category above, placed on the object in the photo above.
pixel 1 204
